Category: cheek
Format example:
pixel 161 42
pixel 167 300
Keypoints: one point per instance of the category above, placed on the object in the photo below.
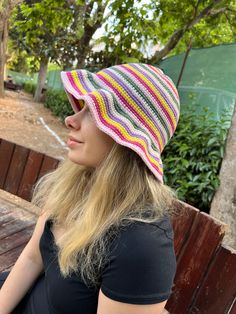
pixel 106 142
pixel 101 144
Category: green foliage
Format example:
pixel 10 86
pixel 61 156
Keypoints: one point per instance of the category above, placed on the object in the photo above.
pixel 53 67
pixel 129 28
pixel 57 102
pixel 56 30
pixel 37 27
pixel 214 29
pixel 192 158
pixel 133 28
pixel 29 87
pixel 61 31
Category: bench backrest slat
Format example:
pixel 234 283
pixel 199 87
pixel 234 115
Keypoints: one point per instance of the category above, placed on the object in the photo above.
pixel 30 175
pixel 6 152
pixel 21 167
pixel 193 261
pixel 218 290
pixel 16 169
pixel 183 220
pixel 48 165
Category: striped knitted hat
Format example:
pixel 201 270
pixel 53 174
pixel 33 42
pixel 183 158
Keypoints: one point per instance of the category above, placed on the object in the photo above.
pixel 136 104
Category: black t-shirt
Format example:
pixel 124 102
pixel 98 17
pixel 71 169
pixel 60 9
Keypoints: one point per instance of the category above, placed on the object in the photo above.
pixel 141 270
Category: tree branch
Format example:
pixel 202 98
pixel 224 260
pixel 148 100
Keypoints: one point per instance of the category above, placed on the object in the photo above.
pixel 178 34
pixel 196 8
pixel 88 34
pixel 221 10
pixel 205 13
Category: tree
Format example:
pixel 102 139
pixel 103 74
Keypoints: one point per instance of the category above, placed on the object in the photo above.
pixel 167 25
pixel 6 7
pixel 50 17
pixel 223 206
pixel 63 32
pixel 88 16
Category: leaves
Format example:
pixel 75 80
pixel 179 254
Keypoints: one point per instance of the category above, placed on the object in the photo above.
pixel 58 103
pixel 63 29
pixel 56 29
pixel 193 157
pixel 152 23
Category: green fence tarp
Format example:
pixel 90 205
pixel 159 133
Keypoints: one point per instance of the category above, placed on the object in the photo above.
pixel 20 78
pixel 208 80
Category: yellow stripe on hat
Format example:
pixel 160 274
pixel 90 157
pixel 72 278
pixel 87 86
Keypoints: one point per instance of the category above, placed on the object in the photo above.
pixel 137 109
pixel 77 82
pixel 102 107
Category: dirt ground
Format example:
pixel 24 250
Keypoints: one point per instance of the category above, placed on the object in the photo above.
pixel 30 124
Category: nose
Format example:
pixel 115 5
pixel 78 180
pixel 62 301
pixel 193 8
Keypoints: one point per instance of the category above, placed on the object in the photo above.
pixel 72 122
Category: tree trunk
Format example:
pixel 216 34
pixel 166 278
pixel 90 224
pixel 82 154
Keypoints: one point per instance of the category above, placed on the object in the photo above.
pixel 3 46
pixel 5 11
pixel 184 62
pixel 41 79
pixel 223 206
pixel 89 31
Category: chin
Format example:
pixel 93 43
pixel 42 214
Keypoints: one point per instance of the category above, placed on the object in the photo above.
pixel 74 158
pixel 79 161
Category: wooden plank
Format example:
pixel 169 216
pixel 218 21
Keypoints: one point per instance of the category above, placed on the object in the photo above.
pixel 16 169
pixel 5 207
pixel 182 223
pixel 30 175
pixel 7 260
pixel 25 209
pixel 205 237
pixel 48 164
pixel 6 152
pixel 15 240
pixel 4 219
pixel 14 226
pixel 18 208
pixel 218 290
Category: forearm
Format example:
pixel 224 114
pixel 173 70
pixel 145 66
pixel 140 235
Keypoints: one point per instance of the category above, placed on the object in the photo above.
pixel 22 276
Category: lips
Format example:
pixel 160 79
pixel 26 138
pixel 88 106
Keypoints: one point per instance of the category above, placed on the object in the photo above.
pixel 71 138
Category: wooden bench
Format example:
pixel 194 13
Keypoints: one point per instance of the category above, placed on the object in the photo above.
pixel 12 86
pixel 21 167
pixel 205 281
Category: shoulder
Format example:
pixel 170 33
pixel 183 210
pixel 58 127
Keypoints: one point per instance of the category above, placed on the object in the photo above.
pixel 142 264
pixel 142 233
pixel 144 244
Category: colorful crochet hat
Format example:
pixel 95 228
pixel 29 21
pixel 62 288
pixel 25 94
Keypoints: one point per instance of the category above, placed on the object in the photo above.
pixel 136 104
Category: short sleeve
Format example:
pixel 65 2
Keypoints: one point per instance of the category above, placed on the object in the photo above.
pixel 142 264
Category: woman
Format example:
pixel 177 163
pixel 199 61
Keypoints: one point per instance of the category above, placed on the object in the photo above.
pixel 104 242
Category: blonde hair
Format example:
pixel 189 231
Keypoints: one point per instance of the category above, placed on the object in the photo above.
pixel 91 204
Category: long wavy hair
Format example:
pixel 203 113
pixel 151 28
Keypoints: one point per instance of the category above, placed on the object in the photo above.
pixel 91 204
